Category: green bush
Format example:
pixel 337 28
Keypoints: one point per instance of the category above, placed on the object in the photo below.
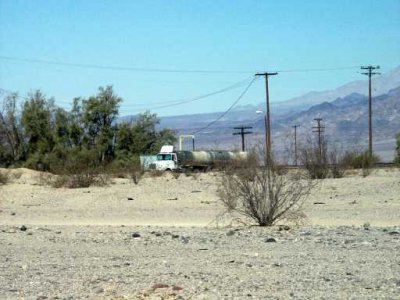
pixel 81 168
pixel 36 161
pixel 358 160
pixel 397 155
pixel 127 166
pixel 315 163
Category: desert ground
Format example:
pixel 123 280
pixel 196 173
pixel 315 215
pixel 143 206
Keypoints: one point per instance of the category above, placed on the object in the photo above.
pixel 160 239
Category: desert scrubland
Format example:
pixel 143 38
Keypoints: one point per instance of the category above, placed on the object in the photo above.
pixel 160 239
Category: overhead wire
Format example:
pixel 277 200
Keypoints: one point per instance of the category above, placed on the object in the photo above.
pixel 118 68
pixel 318 69
pixel 162 70
pixel 229 109
pixel 170 103
pixel 189 100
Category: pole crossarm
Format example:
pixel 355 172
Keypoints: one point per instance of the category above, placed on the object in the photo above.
pixel 243 132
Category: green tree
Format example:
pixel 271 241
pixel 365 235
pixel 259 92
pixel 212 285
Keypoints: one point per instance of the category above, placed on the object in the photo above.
pixel 142 137
pixel 146 137
pixel 62 128
pixel 11 139
pixel 144 132
pixel 76 130
pixel 165 136
pixel 37 124
pixel 99 113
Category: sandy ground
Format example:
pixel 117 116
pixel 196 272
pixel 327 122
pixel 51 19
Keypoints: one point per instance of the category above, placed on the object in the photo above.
pixel 189 201
pixel 81 243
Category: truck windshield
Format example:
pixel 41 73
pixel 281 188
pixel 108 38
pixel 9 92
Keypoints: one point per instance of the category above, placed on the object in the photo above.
pixel 164 157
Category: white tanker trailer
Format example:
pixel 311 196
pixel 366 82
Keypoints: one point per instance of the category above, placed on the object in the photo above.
pixel 170 160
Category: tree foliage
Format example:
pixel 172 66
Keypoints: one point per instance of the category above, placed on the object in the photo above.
pixel 11 139
pixel 44 136
pixel 37 123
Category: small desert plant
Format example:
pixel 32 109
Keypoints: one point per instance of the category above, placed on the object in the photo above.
pixel 4 177
pixel 176 175
pixel 155 173
pixel 17 174
pixel 397 156
pixel 44 179
pixel 81 169
pixel 136 173
pixel 322 162
pixel 361 160
pixel 127 169
pixel 262 194
pixel 315 160
pixel 337 163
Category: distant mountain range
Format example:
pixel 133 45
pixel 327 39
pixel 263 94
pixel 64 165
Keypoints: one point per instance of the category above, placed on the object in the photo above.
pixel 344 111
pixel 381 85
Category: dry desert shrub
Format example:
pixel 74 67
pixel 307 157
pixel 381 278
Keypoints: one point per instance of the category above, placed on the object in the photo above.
pixel 16 174
pixel 136 173
pixel 263 194
pixel 176 175
pixel 4 177
pixel 81 180
pixel 45 179
pixel 361 160
pixel 155 173
pixel 315 160
pixel 80 170
pixel 133 173
pixel 129 169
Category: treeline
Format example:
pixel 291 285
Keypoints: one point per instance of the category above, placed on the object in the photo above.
pixel 42 136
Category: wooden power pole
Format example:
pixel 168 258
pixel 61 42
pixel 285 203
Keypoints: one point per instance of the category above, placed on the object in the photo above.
pixel 295 143
pixel 268 141
pixel 319 129
pixel 370 73
pixel 242 132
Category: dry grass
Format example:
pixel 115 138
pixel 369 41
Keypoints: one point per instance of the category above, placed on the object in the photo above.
pixel 81 180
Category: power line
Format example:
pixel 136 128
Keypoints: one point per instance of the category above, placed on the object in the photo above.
pixel 161 70
pixel 119 68
pixel 189 100
pixel 229 109
pixel 171 102
pixel 318 69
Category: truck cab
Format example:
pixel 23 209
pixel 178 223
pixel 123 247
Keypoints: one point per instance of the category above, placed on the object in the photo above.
pixel 166 160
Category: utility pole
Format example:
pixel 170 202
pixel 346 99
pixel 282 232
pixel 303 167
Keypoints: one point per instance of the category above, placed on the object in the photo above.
pixel 370 73
pixel 319 129
pixel 268 140
pixel 243 133
pixel 295 143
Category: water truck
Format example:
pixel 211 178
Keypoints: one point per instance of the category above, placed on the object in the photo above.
pixel 202 160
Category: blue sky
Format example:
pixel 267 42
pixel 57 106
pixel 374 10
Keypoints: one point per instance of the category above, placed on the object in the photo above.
pixel 245 36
